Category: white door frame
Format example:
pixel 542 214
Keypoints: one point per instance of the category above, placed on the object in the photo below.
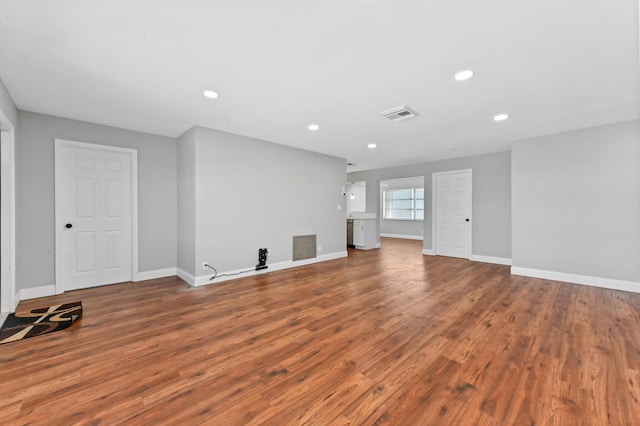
pixel 7 218
pixel 434 216
pixel 59 221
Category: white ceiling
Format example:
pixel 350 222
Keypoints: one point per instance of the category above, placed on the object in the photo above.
pixel 281 65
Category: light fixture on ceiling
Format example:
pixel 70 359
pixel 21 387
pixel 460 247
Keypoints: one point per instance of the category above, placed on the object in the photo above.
pixel 371 145
pixel 464 75
pixel 211 94
pixel 352 196
pixel 500 117
pixel 313 127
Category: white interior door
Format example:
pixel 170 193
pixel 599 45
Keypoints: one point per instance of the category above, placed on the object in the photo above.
pixel 94 215
pixel 452 215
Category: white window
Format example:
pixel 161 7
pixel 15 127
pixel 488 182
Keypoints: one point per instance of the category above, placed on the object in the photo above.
pixel 403 204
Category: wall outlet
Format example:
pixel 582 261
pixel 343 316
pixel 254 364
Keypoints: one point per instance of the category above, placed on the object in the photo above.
pixel 319 248
pixel 205 266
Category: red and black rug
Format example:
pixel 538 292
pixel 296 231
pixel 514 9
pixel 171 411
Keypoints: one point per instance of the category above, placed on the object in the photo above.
pixel 22 325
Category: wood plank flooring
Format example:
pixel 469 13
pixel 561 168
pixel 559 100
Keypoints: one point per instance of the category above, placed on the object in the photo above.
pixel 382 337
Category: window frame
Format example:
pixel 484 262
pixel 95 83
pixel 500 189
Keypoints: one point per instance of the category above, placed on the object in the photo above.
pixel 414 202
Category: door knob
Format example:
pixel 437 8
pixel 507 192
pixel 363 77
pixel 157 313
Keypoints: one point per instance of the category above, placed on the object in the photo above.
pixel 68 226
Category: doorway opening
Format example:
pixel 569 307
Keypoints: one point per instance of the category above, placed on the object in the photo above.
pixel 402 208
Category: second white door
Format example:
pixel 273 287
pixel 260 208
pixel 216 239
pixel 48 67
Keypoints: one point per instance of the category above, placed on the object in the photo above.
pixel 94 214
pixel 452 216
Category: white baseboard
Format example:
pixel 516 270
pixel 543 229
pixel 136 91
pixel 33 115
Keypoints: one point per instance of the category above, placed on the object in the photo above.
pixel 428 252
pixel 491 259
pixel 403 236
pixel 204 280
pixel 377 246
pixel 34 292
pixel 50 290
pixel 158 273
pixel 190 279
pixel 578 279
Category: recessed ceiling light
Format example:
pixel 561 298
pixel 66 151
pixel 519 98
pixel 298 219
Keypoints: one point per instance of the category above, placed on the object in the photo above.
pixel 313 127
pixel 371 145
pixel 464 75
pixel 500 117
pixel 211 94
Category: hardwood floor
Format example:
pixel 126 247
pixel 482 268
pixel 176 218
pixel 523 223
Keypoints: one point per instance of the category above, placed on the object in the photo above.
pixel 385 336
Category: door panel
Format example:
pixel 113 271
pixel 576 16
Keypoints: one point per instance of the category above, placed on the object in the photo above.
pixel 114 241
pixel 85 197
pixel 114 199
pixel 452 217
pixel 85 247
pixel 94 215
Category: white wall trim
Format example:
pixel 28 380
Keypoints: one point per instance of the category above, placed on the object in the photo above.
pixel 158 273
pixel 50 290
pixel 34 292
pixel 204 280
pixel 364 248
pixel 491 259
pixel 185 276
pixel 403 236
pixel 428 252
pixel 7 219
pixel 578 279
pixel 59 220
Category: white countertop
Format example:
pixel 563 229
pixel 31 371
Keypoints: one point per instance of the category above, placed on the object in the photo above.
pixel 361 215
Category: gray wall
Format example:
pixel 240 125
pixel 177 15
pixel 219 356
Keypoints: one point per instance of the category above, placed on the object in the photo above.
pixel 8 107
pixel 491 204
pixel 402 227
pixel 252 194
pixel 187 202
pixel 576 202
pixel 35 208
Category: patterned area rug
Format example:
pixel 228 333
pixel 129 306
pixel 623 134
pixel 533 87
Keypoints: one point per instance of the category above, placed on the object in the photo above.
pixel 22 325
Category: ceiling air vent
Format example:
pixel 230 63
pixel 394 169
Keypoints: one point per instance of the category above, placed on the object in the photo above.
pixel 399 113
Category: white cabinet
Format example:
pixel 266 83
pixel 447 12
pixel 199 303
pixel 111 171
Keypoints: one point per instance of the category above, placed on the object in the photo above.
pixel 358 233
pixel 365 234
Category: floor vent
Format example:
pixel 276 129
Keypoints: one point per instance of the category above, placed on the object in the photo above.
pixel 304 247
pixel 399 113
